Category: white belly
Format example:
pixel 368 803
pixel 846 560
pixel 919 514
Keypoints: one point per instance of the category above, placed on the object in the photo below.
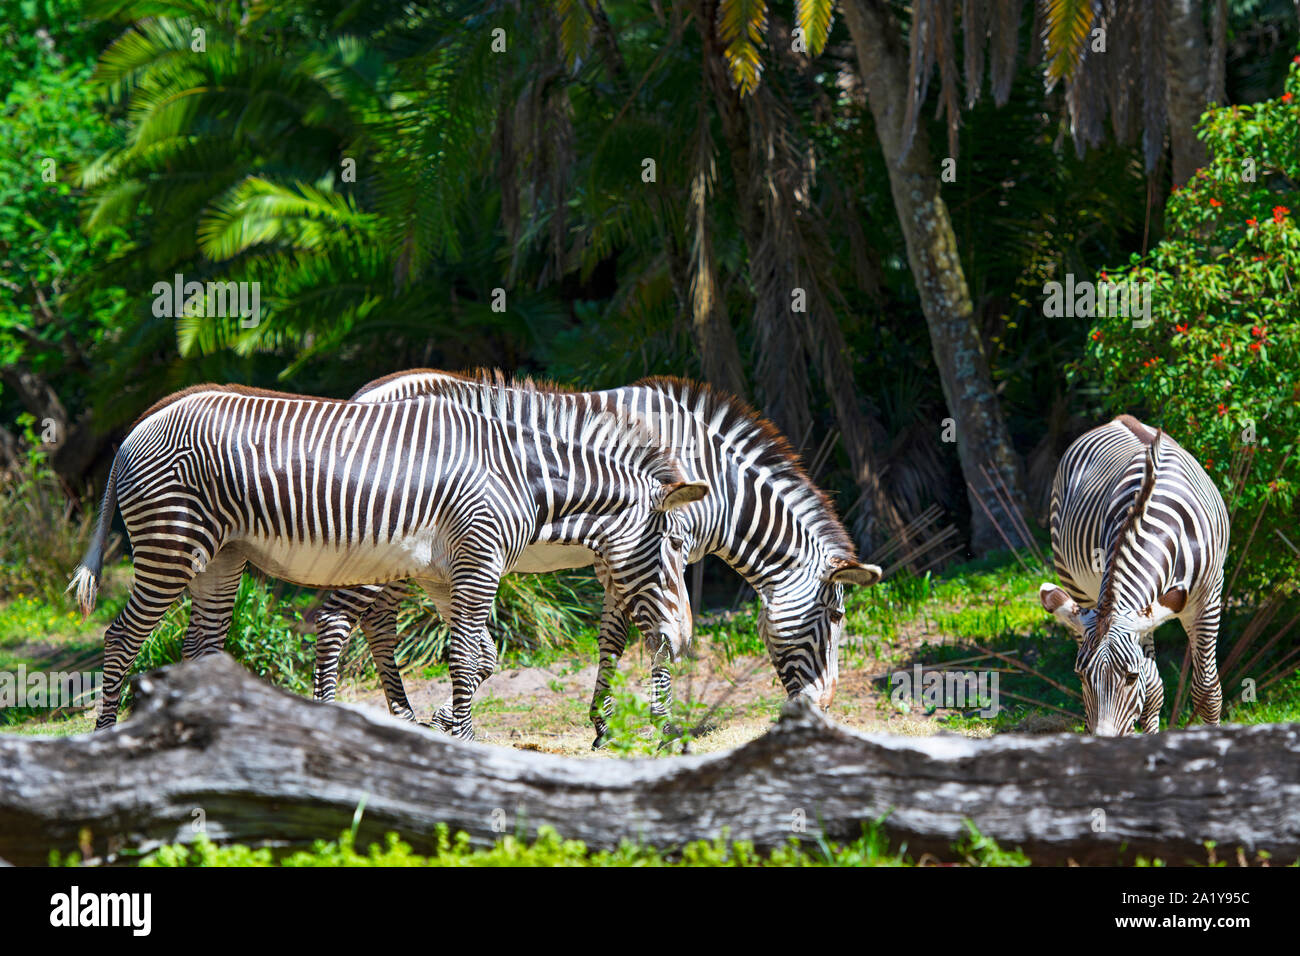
pixel 421 555
pixel 551 556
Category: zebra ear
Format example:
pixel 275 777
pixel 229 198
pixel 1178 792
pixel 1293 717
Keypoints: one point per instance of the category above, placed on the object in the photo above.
pixel 853 572
pixel 1062 607
pixel 679 494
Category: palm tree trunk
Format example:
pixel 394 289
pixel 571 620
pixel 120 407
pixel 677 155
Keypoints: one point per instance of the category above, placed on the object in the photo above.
pixel 982 438
pixel 1188 78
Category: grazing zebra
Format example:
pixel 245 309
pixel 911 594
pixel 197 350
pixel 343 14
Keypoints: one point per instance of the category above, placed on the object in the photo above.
pixel 763 516
pixel 327 493
pixel 1139 534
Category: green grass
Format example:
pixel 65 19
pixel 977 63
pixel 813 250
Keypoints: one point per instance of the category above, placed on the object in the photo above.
pixel 549 849
pixel 990 605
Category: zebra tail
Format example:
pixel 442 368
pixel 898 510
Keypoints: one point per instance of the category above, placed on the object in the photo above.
pixel 86 578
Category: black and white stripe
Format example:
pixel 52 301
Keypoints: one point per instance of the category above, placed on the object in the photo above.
pixel 763 517
pixel 326 493
pixel 1139 535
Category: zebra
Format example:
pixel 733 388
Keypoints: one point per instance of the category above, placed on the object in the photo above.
pixel 329 493
pixel 763 516
pixel 1139 535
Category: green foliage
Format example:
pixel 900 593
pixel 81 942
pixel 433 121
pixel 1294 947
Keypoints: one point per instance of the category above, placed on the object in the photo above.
pixel 50 122
pixel 980 850
pixel 1217 368
pixel 547 849
pixel 628 720
pixel 43 532
pixel 266 636
pixel 533 614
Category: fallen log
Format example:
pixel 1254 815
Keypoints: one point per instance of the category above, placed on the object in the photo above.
pixel 211 747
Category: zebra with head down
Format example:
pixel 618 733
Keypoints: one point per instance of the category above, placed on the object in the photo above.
pixel 1139 535
pixel 763 516
pixel 327 493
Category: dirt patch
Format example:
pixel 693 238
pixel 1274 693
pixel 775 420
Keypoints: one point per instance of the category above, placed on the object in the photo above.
pixel 733 701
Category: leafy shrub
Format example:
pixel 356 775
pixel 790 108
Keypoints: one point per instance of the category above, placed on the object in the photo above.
pixel 264 636
pixel 532 612
pixel 43 530
pixel 548 849
pixel 1217 368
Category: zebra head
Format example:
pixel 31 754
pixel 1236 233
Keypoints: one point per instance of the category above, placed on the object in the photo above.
pixel 645 566
pixel 802 624
pixel 1115 662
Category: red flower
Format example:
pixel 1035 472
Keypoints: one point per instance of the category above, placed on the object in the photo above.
pixel 1217 360
pixel 1215 203
pixel 1180 328
pixel 1223 409
pixel 1251 222
pixel 1257 331
pixel 1286 97
pixel 1209 463
pixel 1096 336
pixel 1254 346
pixel 1279 213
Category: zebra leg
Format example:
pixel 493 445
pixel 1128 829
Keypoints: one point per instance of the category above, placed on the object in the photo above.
pixel 487 665
pixel 379 624
pixel 1154 700
pixel 159 582
pixel 1207 695
pixel 661 691
pixel 473 590
pixel 212 604
pixel 334 623
pixel 611 643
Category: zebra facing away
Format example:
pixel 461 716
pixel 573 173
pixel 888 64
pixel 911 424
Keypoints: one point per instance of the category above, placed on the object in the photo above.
pixel 763 516
pixel 1139 535
pixel 327 493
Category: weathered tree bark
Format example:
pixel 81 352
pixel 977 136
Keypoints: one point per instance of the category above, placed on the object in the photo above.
pixel 210 743
pixel 1190 75
pixel 981 432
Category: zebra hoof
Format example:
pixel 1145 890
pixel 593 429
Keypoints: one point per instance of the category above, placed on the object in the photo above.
pixel 671 731
pixel 600 742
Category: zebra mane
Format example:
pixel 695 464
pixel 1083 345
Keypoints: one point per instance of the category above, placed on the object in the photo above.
pixel 747 431
pixel 555 409
pixel 1106 602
